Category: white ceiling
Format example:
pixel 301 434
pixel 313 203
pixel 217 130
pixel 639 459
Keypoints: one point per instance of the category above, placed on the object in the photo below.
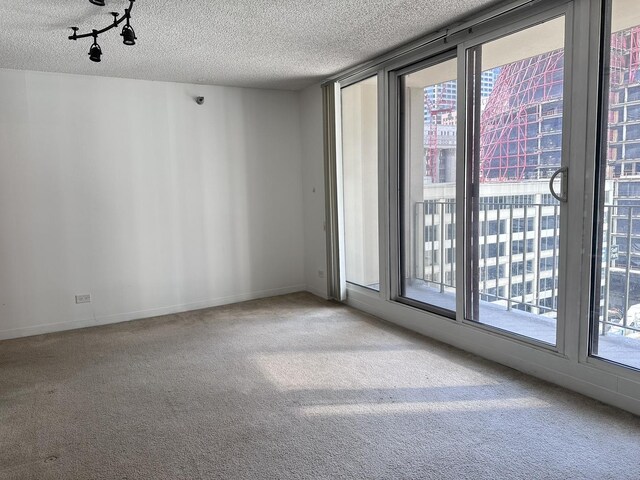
pixel 285 44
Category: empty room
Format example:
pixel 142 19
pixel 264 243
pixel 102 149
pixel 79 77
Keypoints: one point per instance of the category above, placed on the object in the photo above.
pixel 276 239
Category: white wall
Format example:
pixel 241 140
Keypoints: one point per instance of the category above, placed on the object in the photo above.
pixel 130 191
pixel 313 190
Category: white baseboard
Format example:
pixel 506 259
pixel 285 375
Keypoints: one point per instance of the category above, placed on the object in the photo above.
pixel 152 312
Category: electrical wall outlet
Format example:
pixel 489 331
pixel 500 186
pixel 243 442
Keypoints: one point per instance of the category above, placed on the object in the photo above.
pixel 83 298
pixel 321 273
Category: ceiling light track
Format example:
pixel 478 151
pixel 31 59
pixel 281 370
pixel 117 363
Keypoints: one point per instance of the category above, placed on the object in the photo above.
pixel 128 35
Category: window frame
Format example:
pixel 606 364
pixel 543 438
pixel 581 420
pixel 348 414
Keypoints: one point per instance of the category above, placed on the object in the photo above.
pixel 398 168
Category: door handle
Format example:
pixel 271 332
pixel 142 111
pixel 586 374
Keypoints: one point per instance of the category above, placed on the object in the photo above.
pixel 562 197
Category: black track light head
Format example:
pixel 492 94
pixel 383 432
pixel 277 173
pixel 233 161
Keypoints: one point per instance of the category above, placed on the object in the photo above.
pixel 128 35
pixel 100 3
pixel 95 52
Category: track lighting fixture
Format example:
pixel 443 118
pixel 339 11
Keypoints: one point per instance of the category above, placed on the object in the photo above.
pixel 128 34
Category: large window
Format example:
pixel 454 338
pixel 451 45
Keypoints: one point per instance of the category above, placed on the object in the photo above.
pixel 615 332
pixel 360 182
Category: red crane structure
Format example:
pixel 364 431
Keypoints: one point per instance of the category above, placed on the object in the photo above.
pixel 634 52
pixel 624 61
pixel 522 109
pixel 521 123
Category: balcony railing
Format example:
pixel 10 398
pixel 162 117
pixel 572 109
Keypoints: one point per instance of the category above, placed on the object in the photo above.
pixel 620 269
pixel 518 257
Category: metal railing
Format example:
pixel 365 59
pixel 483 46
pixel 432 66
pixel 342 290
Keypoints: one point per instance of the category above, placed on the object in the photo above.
pixel 517 248
pixel 518 252
pixel 620 268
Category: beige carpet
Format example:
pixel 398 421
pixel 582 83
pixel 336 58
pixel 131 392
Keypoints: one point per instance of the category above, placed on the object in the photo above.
pixel 289 387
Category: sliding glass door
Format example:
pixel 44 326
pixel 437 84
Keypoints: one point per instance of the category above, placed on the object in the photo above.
pixel 515 104
pixel 509 196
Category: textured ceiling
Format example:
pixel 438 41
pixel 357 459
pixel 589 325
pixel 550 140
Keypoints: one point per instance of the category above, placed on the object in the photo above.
pixel 285 44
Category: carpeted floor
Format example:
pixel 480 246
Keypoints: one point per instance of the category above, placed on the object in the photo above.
pixel 289 387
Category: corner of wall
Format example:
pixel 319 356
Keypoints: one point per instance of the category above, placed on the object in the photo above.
pixel 313 190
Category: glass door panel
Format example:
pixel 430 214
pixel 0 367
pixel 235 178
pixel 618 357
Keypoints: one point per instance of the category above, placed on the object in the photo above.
pixel 428 186
pixel 513 229
pixel 615 332
pixel 359 107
